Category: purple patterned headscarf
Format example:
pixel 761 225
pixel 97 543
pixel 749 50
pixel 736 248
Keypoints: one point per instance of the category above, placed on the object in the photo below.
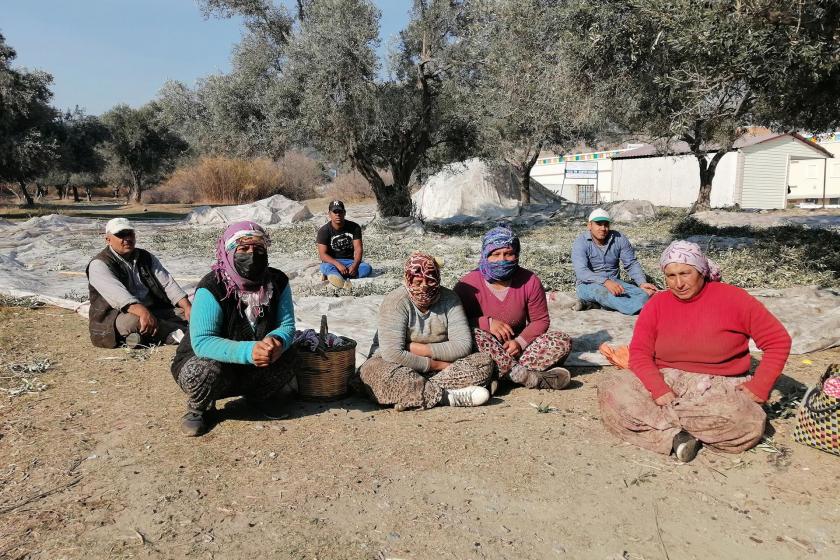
pixel 498 238
pixel 686 252
pixel 239 233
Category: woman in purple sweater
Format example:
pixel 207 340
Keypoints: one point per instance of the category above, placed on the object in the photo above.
pixel 506 306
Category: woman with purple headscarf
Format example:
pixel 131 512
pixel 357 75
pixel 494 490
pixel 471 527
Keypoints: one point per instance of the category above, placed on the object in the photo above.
pixel 689 380
pixel 507 308
pixel 241 329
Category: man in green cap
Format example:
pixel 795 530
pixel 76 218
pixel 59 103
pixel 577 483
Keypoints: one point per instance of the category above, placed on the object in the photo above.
pixel 596 256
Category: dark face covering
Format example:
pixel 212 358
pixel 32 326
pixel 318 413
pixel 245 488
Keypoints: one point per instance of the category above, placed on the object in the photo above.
pixel 251 265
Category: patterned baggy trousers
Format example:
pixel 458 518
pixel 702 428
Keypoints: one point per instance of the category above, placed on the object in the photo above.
pixel 205 381
pixel 545 351
pixel 392 384
pixel 707 406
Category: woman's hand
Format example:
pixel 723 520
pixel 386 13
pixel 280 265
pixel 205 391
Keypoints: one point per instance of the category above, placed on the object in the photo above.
pixel 420 349
pixel 512 348
pixel 438 365
pixel 667 398
pixel 501 330
pixel 746 390
pixel 267 351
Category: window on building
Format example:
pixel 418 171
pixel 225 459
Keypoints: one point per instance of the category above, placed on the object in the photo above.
pixel 586 194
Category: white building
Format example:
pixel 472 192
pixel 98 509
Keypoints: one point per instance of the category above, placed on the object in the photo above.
pixel 756 174
pixel 584 177
pixel 811 184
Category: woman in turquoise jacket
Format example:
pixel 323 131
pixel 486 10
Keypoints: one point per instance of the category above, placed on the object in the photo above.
pixel 241 329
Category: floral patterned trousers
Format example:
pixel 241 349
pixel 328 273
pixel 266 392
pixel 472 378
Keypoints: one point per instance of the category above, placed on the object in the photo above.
pixel 547 350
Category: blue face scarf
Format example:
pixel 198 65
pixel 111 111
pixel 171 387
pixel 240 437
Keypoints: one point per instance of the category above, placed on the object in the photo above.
pixel 498 238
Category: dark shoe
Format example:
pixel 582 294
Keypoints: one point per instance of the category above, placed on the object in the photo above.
pixel 582 305
pixel 193 423
pixel 134 341
pixel 272 409
pixel 685 447
pixel 555 379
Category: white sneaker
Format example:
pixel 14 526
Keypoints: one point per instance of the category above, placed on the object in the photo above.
pixel 468 396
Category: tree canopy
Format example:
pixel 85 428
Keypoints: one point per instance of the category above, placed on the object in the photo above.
pixel 518 84
pixel 404 123
pixel 26 122
pixel 703 72
pixel 140 144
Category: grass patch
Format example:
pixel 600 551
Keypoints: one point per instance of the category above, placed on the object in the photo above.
pixel 13 301
pixel 19 378
pixel 780 257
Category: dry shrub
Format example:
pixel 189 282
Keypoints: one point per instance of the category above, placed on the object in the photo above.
pixel 301 175
pixel 170 193
pixel 352 186
pixel 220 180
pixel 217 180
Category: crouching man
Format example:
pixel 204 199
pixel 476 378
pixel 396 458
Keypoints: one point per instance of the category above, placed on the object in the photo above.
pixel 133 298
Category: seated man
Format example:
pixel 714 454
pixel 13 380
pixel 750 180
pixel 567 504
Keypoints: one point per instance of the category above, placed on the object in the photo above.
pixel 595 257
pixel 133 299
pixel 340 248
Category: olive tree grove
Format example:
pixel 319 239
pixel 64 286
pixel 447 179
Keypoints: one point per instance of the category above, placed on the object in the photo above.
pixel 703 72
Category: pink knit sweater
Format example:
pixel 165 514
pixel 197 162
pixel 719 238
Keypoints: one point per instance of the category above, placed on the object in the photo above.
pixel 524 307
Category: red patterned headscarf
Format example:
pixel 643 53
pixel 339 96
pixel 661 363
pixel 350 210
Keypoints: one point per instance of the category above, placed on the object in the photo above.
pixel 422 265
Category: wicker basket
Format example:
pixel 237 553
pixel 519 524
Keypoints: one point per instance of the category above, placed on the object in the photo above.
pixel 323 374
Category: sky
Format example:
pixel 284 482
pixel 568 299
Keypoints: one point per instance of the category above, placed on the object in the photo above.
pixel 104 52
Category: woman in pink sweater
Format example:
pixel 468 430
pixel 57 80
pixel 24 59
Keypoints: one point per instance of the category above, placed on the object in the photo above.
pixel 690 361
pixel 506 306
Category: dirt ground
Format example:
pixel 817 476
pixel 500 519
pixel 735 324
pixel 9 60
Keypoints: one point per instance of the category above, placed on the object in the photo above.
pixel 93 466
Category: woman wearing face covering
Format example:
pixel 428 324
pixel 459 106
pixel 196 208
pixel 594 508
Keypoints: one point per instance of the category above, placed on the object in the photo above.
pixel 506 305
pixel 690 364
pixel 241 329
pixel 421 354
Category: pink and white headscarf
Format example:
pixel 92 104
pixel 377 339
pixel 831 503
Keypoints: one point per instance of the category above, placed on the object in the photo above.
pixel 244 233
pixel 686 252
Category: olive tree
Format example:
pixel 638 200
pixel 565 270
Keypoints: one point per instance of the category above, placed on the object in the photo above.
pixel 237 114
pixel 78 161
pixel 404 123
pixel 141 145
pixel 27 144
pixel 703 72
pixel 518 84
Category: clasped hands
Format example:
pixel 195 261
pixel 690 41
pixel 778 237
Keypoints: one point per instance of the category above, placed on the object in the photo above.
pixel 267 351
pixel 504 333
